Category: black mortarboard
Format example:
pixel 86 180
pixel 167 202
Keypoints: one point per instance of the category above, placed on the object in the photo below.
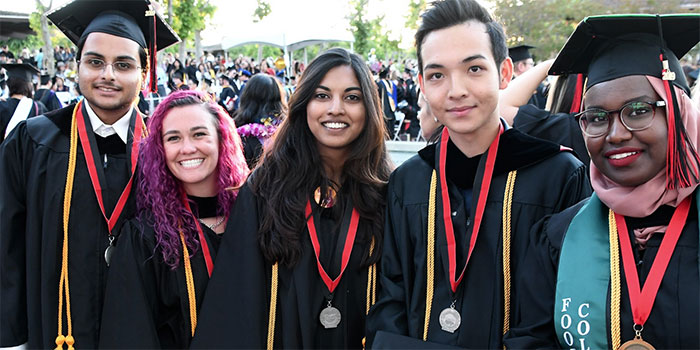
pixel 615 46
pixel 132 19
pixel 23 71
pixel 44 79
pixel 520 52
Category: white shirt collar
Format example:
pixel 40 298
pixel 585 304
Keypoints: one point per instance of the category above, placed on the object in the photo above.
pixel 121 127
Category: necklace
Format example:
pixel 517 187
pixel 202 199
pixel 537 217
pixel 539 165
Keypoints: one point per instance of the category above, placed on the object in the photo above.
pixel 213 226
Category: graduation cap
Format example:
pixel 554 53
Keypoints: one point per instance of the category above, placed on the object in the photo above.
pixel 132 19
pixel 246 73
pixel 44 79
pixel 615 46
pixel 520 52
pixel 22 71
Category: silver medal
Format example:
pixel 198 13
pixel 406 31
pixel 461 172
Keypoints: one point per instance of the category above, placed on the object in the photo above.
pixel 450 319
pixel 108 250
pixel 330 316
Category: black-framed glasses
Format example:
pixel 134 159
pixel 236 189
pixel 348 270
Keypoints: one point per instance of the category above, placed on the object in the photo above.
pixel 99 65
pixel 635 116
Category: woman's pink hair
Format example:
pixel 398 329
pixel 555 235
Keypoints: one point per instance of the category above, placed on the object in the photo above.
pixel 159 201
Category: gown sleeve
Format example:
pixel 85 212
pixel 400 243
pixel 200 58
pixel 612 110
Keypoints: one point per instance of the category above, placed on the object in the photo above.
pixel 13 216
pixel 577 188
pixel 389 313
pixel 130 302
pixel 235 315
pixel 536 284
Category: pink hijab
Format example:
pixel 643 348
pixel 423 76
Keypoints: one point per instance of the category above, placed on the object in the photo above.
pixel 642 200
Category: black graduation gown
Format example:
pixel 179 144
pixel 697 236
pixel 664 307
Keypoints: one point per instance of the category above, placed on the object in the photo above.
pixel 7 109
pixel 547 181
pixel 48 98
pixel 236 306
pixel 539 98
pixel 560 128
pixel 252 150
pixel 146 302
pixel 674 321
pixel 389 116
pixel 33 166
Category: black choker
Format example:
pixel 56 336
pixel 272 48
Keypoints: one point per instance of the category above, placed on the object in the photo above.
pixel 204 207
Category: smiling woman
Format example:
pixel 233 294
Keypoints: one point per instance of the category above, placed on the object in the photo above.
pixel 308 223
pixel 192 167
pixel 623 263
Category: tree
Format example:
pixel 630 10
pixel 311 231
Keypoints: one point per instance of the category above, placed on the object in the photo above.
pixel 547 24
pixel 206 12
pixel 415 9
pixel 362 28
pixel 46 37
pixel 261 11
pixel 189 18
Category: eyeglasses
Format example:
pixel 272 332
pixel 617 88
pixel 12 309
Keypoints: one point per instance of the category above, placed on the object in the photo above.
pixel 635 116
pixel 98 65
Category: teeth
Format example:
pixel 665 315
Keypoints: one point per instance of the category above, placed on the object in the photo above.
pixel 335 125
pixel 622 155
pixel 191 163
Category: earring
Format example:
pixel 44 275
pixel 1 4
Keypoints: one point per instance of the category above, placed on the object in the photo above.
pixel 435 119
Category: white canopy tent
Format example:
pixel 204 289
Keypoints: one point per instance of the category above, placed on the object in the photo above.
pixel 286 36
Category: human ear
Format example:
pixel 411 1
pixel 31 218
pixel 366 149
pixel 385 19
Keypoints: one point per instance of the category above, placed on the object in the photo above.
pixel 506 73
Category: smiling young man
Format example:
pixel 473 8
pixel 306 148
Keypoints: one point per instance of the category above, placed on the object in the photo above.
pixel 66 181
pixel 459 213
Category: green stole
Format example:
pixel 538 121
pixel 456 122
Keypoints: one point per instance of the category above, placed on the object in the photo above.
pixel 583 279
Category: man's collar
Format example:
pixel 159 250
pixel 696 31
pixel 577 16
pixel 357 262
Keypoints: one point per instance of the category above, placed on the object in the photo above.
pixel 516 150
pixel 121 127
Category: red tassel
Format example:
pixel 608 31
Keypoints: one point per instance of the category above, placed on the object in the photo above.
pixel 154 54
pixel 578 95
pixel 681 158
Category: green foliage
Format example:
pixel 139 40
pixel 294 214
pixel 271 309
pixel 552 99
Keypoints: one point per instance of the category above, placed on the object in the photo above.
pixel 16 45
pixel 190 16
pixel 261 11
pixel 547 24
pixel 415 9
pixel 251 50
pixel 370 34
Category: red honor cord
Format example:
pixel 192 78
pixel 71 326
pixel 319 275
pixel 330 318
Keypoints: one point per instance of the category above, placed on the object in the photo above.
pixel 347 249
pixel 92 168
pixel 202 240
pixel 642 300
pixel 480 204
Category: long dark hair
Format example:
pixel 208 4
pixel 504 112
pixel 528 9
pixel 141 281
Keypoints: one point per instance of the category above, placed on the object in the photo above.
pixel 262 97
pixel 563 92
pixel 292 168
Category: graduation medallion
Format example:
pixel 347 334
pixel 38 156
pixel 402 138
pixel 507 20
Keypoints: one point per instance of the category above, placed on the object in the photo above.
pixel 330 316
pixel 636 344
pixel 108 250
pixel 325 200
pixel 450 319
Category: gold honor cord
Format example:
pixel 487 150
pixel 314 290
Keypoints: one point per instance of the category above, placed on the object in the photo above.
pixel 192 297
pixel 507 204
pixel 67 196
pixel 430 264
pixel 371 280
pixel 63 284
pixel 273 308
pixel 614 283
